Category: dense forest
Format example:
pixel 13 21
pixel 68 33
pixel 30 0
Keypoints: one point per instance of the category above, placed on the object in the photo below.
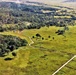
pixel 22 16
pixel 9 43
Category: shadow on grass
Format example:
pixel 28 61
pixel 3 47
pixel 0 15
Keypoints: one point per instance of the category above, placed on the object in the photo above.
pixel 7 59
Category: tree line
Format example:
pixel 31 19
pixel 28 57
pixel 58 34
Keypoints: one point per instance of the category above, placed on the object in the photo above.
pixel 17 15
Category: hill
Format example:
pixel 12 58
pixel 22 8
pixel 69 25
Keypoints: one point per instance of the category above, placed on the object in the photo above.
pixel 49 51
pixel 70 1
pixel 37 38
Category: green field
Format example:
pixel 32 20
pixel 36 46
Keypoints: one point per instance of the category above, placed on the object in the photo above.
pixel 43 57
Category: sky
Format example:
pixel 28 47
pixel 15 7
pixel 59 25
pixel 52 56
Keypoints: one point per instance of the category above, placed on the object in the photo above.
pixel 37 0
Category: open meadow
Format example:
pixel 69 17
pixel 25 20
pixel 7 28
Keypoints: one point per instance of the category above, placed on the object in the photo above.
pixel 45 55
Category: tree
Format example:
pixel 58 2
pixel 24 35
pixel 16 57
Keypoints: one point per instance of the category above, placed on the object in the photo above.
pixel 53 38
pixel 38 35
pixel 33 37
pixel 49 36
pixel 42 38
pixel 60 32
pixel 14 54
pixel 8 58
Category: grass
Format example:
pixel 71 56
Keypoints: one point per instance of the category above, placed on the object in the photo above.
pixel 44 57
pixel 62 16
pixel 71 68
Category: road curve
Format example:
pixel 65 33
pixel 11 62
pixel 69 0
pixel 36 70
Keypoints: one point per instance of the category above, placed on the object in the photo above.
pixel 32 42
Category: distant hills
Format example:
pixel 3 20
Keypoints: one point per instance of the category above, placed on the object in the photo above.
pixel 70 1
pixel 46 1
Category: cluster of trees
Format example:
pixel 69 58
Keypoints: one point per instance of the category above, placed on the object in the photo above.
pixel 9 43
pixel 61 32
pixel 38 36
pixel 14 27
pixel 4 19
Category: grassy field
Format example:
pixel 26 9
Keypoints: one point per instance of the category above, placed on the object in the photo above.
pixel 43 57
pixel 62 16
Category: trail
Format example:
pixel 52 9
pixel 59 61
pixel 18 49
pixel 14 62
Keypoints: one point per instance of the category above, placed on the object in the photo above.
pixel 19 33
pixel 32 42
pixel 28 37
pixel 64 65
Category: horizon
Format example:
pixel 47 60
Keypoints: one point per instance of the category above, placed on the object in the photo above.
pixel 66 3
pixel 56 1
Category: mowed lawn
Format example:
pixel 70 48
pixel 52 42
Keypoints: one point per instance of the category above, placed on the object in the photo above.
pixel 43 57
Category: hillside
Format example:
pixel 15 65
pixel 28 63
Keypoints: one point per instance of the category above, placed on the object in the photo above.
pixel 37 38
pixel 23 16
pixel 48 51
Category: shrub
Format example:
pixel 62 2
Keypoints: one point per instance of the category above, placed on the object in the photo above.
pixel 38 35
pixel 14 54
